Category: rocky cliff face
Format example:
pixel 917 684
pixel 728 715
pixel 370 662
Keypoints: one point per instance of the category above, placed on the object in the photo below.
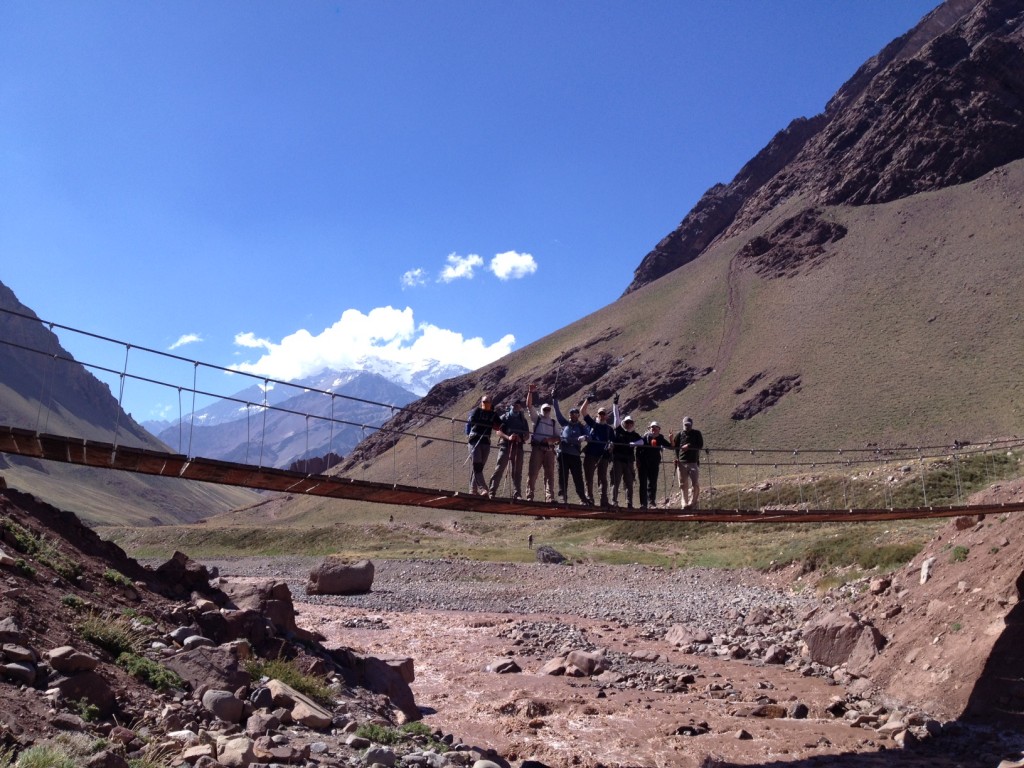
pixel 939 106
pixel 50 375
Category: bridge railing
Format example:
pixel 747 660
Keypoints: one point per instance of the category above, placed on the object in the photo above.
pixel 434 454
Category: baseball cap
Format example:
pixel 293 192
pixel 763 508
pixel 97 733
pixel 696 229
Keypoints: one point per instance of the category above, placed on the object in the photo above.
pixel 687 420
pixel 602 410
pixel 546 407
pixel 628 420
pixel 655 424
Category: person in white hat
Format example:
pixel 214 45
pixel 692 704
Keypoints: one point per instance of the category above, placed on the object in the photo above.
pixel 625 440
pixel 648 463
pixel 688 443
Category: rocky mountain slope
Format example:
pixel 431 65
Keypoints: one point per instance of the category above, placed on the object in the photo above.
pixel 161 666
pixel 858 283
pixel 939 106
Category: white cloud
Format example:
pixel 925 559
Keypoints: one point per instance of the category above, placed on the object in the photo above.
pixel 511 265
pixel 460 267
pixel 188 338
pixel 413 278
pixel 385 332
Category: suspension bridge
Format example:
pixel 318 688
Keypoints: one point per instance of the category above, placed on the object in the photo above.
pixel 740 484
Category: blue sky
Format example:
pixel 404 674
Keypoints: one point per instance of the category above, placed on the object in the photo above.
pixel 283 186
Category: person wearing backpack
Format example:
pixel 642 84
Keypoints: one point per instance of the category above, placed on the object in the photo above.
pixel 513 431
pixel 688 444
pixel 542 447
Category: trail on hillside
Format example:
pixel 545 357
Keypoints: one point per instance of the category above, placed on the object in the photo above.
pixel 731 331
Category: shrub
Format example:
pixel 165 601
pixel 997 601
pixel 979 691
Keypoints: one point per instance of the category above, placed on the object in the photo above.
pixel 113 634
pixel 74 602
pixel 117 578
pixel 85 710
pixel 24 568
pixel 959 554
pixel 150 672
pixel 289 674
pixel 379 734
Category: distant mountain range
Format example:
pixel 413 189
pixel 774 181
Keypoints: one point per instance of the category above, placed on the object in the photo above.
pixel 265 427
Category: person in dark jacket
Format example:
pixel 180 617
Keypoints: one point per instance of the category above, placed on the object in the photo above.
pixel 574 433
pixel 688 444
pixel 597 454
pixel 648 463
pixel 513 432
pixel 623 457
pixel 481 421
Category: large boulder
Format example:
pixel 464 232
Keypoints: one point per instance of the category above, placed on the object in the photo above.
pixel 546 554
pixel 340 576
pixel 842 637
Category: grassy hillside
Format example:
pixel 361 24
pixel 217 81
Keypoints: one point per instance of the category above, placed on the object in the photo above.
pixel 105 497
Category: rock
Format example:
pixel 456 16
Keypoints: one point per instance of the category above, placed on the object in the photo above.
pixel 926 569
pixel 743 735
pixel 310 714
pixel 380 755
pixel 381 677
pixel 224 705
pixel 184 574
pixel 680 635
pixel 357 742
pixel 107 759
pixel 91 686
pixel 775 654
pixel 261 723
pixel 879 585
pixel 197 641
pixel 832 638
pixel 503 666
pixel 21 672
pixel 191 754
pixel 10 631
pixel 340 576
pixel 235 751
pixel 548 554
pixel 798 711
pixel 67 661
pixel 217 667
pixel 771 711
pixel 588 662
pixel 302 708
pixel 553 667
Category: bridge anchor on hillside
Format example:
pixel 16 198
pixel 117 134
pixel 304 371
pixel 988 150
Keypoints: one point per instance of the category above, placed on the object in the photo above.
pixel 71 450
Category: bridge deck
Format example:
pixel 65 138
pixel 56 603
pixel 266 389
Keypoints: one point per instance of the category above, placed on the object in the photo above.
pixel 71 450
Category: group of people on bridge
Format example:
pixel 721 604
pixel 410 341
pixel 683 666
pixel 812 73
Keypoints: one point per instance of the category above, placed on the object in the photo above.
pixel 582 447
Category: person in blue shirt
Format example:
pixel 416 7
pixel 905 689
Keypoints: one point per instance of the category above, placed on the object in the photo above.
pixel 574 434
pixel 597 454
